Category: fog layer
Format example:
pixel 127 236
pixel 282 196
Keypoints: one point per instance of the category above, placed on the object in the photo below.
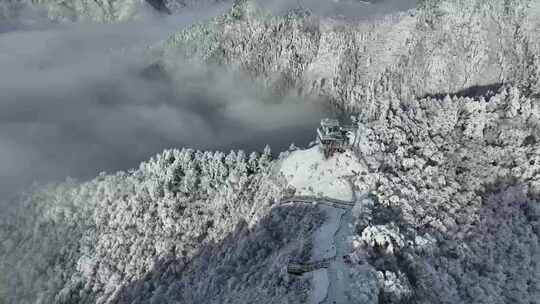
pixel 77 99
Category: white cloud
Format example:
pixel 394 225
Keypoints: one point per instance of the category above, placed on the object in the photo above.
pixel 73 101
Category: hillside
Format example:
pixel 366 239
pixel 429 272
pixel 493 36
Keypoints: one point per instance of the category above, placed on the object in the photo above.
pixel 438 196
pixel 445 209
pixel 81 242
pixel 441 47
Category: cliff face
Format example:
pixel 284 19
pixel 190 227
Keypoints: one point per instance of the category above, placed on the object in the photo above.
pixel 441 47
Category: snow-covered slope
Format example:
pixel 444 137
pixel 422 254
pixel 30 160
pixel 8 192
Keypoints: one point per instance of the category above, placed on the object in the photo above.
pixel 453 214
pixel 446 190
pixel 84 243
pixel 9 8
pixel 247 266
pixel 446 210
pixel 446 207
pixel 441 47
pixel 309 174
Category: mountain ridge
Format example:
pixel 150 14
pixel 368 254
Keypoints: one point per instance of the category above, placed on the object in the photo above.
pixel 407 55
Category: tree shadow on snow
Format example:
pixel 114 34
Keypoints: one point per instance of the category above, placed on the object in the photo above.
pixel 472 92
pixel 247 266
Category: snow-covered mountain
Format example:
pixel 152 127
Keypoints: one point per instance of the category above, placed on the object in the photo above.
pixel 440 47
pixel 445 209
pixel 444 190
pixel 106 11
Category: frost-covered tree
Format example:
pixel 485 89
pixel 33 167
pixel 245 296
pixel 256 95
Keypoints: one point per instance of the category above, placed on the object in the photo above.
pixel 82 242
pixel 106 11
pixel 454 190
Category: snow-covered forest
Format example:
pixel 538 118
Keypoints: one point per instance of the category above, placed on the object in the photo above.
pixel 82 243
pixel 444 173
pixel 455 188
pixel 440 47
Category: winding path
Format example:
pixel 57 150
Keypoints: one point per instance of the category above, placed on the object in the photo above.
pixel 319 200
pixel 329 269
pixel 338 270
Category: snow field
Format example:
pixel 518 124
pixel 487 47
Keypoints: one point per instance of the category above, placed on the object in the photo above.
pixel 310 174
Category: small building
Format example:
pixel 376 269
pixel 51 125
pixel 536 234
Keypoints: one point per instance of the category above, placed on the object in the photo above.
pixel 333 137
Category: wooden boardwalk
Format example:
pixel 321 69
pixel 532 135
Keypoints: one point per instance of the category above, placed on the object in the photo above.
pixel 298 269
pixel 301 268
pixel 320 200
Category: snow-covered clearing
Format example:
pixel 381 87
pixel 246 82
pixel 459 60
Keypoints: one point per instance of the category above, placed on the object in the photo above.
pixel 310 174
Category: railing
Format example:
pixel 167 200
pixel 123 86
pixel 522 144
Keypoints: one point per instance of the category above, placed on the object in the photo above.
pixel 332 202
pixel 300 268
